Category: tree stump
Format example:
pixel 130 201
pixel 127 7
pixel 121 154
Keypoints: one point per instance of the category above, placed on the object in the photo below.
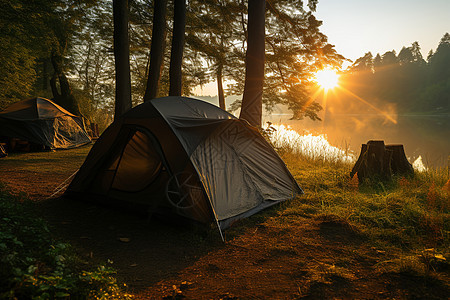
pixel 381 161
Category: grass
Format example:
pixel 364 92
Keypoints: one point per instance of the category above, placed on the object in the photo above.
pixel 407 217
pixel 52 161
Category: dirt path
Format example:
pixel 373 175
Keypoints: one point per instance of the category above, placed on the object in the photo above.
pixel 302 258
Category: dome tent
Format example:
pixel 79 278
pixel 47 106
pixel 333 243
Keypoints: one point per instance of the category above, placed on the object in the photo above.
pixel 43 122
pixel 178 155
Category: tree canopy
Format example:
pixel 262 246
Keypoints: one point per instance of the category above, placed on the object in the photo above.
pixel 78 36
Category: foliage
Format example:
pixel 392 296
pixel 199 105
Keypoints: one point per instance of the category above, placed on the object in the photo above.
pixel 34 265
pixel 80 33
pixel 92 67
pixel 295 49
pixel 21 45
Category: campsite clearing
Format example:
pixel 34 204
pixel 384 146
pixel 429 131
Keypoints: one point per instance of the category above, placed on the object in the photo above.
pixel 336 241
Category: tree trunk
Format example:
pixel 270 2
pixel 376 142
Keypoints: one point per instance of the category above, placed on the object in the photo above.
pixel 121 57
pixel 176 55
pixel 220 88
pixel 251 109
pixel 157 49
pixel 65 97
pixel 45 73
pixel 381 162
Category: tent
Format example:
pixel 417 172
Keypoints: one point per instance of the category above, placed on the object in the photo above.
pixel 183 156
pixel 42 122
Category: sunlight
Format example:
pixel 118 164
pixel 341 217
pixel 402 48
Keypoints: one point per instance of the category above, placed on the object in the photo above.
pixel 385 114
pixel 312 146
pixel 418 165
pixel 327 79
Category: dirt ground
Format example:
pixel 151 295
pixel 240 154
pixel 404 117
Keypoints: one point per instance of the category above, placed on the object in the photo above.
pixel 308 258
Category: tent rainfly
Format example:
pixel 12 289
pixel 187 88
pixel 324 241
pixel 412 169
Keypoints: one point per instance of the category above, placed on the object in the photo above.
pixel 43 122
pixel 183 156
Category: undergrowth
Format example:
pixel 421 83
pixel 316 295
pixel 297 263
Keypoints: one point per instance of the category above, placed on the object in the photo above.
pixel 33 265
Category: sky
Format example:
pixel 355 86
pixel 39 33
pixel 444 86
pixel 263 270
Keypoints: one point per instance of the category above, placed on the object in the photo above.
pixel 356 27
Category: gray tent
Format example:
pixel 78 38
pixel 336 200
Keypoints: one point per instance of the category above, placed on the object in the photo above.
pixel 43 122
pixel 183 156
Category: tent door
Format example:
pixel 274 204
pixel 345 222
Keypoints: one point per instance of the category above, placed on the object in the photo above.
pixel 135 167
pixel 139 165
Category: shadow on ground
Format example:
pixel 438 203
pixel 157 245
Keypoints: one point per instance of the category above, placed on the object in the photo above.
pixel 143 251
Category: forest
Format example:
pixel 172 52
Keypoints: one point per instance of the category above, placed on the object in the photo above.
pixel 67 47
pixel 407 80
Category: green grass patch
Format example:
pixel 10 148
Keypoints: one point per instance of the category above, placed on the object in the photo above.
pixel 52 161
pixel 411 212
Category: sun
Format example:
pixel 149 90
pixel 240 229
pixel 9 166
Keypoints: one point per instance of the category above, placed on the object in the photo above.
pixel 327 79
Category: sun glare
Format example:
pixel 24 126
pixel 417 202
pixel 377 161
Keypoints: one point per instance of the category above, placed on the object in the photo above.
pixel 327 79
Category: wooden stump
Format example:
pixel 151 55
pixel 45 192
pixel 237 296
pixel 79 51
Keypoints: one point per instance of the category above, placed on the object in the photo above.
pixel 399 163
pixel 377 160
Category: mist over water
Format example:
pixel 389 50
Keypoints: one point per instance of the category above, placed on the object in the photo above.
pixel 427 136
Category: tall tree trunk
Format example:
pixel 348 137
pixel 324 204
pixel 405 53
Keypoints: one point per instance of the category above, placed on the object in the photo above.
pixel 121 57
pixel 65 97
pixel 251 109
pixel 176 55
pixel 157 49
pixel 220 87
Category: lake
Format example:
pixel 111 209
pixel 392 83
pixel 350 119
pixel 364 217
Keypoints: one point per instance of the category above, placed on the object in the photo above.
pixel 427 136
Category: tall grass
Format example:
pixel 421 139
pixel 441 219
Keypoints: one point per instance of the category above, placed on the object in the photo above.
pixel 408 213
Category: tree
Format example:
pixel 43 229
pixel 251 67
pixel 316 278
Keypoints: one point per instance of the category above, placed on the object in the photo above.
pixel 92 65
pixel 251 109
pixel 122 57
pixel 435 96
pixel 176 55
pixel 213 33
pixel 364 63
pixel 157 49
pixel 439 62
pixel 405 82
pixel 389 58
pixel 25 35
pixel 295 49
pixel 377 63
pixel 64 96
pixel 411 54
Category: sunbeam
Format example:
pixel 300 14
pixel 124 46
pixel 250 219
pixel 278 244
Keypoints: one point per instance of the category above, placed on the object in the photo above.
pixel 369 104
